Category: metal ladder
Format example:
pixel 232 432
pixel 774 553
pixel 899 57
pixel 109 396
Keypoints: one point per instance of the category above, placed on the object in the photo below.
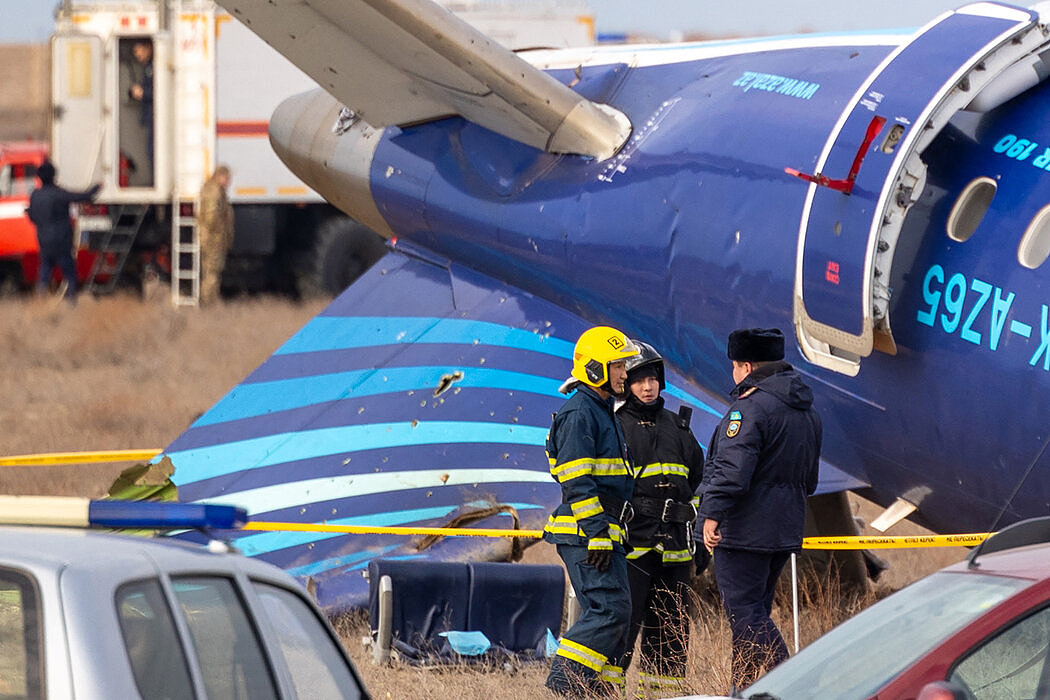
pixel 116 246
pixel 193 136
pixel 185 255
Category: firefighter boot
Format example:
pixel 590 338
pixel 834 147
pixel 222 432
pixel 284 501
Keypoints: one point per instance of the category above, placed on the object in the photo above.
pixel 570 678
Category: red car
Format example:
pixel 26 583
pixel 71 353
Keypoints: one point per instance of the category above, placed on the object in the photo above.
pixel 977 629
pixel 19 252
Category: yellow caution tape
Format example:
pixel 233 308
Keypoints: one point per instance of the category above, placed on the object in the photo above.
pixel 861 542
pixel 365 530
pixel 853 542
pixel 839 542
pixel 78 458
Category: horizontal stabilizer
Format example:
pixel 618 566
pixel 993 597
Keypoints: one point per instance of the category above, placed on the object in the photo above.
pixel 399 62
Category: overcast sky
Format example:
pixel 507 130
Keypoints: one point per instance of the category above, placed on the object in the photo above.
pixel 32 20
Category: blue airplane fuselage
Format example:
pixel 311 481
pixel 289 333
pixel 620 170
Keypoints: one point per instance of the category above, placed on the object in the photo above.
pixel 692 230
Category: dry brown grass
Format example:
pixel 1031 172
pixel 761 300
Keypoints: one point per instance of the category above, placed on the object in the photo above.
pixel 822 606
pixel 120 373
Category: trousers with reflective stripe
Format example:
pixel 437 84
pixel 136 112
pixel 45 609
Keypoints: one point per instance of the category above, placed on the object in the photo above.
pixel 598 637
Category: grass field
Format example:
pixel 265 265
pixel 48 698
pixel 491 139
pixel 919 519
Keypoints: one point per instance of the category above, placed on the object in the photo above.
pixel 124 373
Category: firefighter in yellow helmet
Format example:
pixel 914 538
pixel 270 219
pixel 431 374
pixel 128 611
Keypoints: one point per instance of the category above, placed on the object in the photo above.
pixel 588 458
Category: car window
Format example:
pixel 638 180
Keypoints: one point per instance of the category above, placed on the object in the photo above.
pixel 227 645
pixel 21 669
pixel 889 635
pixel 158 661
pixel 318 667
pixel 1011 664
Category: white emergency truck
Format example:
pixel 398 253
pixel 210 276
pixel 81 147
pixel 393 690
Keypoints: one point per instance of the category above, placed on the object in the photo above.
pixel 214 86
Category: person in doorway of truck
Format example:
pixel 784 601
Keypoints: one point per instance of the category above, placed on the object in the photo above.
pixel 141 91
pixel 49 212
pixel 215 232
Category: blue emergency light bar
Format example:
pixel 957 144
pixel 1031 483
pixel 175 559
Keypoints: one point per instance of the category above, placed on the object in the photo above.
pixel 165 515
pixel 83 512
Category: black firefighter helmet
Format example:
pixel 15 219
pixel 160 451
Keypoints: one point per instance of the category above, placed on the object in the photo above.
pixel 647 361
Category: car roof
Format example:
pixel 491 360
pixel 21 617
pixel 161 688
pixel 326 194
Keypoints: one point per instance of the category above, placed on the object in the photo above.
pixel 102 552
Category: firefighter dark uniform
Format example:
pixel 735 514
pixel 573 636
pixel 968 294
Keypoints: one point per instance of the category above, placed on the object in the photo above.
pixel 588 459
pixel 668 465
pixel 762 464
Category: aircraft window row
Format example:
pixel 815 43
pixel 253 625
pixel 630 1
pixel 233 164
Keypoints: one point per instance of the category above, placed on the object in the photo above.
pixel 970 208
pixel 972 205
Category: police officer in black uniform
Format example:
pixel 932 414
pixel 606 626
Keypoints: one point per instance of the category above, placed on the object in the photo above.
pixel 762 464
pixel 668 465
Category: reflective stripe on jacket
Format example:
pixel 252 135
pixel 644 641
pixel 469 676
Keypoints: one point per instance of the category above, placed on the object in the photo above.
pixel 588 458
pixel 669 464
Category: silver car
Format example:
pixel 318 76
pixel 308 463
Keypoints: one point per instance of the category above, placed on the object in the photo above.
pixel 88 614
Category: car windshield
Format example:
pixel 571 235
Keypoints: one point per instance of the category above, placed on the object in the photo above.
pixel 887 637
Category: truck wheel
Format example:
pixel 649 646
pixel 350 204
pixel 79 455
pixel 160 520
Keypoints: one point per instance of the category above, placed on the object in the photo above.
pixel 342 250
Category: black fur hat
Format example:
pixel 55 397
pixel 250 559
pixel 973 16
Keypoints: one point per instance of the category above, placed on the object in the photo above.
pixel 756 345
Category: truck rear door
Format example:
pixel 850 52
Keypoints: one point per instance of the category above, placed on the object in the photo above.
pixel 78 134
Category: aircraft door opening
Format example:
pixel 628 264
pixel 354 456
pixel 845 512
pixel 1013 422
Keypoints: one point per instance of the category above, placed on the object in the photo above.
pixel 849 226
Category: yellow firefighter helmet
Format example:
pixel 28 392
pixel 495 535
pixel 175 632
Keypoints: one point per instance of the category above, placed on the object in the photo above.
pixel 595 349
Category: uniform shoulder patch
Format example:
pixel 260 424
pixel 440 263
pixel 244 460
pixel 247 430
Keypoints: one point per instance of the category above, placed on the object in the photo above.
pixel 734 423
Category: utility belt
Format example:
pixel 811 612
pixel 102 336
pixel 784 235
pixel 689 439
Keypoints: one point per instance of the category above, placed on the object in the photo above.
pixel 618 508
pixel 665 509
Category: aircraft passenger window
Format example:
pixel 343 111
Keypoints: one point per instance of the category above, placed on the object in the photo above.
pixel 1035 244
pixel 970 208
pixel 893 138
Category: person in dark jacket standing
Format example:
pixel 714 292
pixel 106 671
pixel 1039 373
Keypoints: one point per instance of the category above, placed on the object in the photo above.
pixel 141 91
pixel 588 458
pixel 669 465
pixel 49 212
pixel 762 464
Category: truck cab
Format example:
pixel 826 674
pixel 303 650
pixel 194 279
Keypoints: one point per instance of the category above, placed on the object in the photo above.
pixel 18 245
